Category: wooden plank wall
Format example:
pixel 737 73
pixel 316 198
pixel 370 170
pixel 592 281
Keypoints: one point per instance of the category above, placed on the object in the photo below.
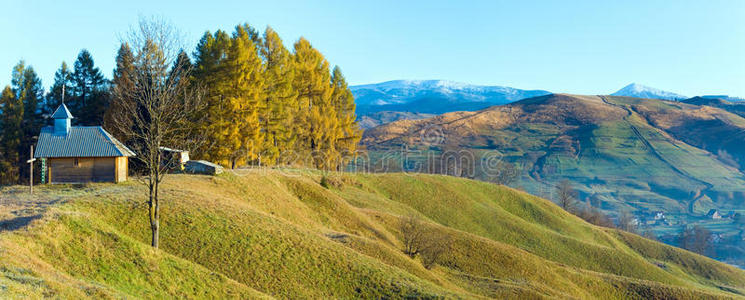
pixel 122 168
pixel 88 169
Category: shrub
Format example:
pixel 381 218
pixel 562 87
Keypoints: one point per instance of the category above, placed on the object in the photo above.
pixel 331 181
pixel 325 181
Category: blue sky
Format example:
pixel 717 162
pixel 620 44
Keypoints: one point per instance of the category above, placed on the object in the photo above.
pixel 584 47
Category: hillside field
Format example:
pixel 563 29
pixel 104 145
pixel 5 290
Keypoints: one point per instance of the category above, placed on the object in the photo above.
pixel 279 233
pixel 648 157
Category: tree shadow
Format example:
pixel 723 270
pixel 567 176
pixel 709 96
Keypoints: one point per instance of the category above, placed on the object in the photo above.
pixel 17 223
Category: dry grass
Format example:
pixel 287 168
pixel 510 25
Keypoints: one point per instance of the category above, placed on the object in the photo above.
pixel 280 233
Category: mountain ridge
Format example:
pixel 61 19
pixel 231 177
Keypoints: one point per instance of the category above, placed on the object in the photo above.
pixel 432 96
pixel 380 103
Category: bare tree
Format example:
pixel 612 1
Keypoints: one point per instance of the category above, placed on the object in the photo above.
pixel 456 161
pixel 593 216
pixel 434 245
pixel 650 235
pixel 158 108
pixel 412 232
pixel 506 173
pixel 428 243
pixel 566 195
pixel 696 239
pixel 626 221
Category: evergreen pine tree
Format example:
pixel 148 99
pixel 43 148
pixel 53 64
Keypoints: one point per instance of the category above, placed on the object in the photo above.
pixel 63 77
pixel 27 90
pixel 183 63
pixel 90 97
pixel 30 91
pixel 11 121
pixel 123 78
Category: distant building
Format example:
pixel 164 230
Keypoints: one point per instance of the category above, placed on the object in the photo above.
pixel 78 154
pixel 173 158
pixel 713 214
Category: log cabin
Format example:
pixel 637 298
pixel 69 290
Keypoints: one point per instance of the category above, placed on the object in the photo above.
pixel 80 154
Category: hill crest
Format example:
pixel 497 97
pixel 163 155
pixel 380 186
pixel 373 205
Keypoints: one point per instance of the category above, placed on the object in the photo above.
pixel 280 233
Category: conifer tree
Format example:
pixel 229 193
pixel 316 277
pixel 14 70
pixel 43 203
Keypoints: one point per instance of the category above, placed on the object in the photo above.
pixel 278 97
pixel 314 122
pixel 63 77
pixel 90 98
pixel 11 121
pixel 231 70
pixel 263 100
pixel 246 84
pixel 124 80
pixel 211 70
pixel 349 133
pixel 27 90
pixel 182 63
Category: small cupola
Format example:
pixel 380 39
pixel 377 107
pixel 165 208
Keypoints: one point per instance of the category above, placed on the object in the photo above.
pixel 62 118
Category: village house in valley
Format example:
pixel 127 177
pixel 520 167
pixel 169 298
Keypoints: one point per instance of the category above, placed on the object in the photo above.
pixel 79 154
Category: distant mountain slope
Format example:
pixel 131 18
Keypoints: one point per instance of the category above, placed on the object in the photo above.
pixel 382 117
pixel 723 103
pixel 724 97
pixel 433 96
pixel 641 91
pixel 390 101
pixel 622 153
pixel 280 233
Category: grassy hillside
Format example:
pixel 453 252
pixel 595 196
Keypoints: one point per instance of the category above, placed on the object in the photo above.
pixel 623 154
pixel 279 233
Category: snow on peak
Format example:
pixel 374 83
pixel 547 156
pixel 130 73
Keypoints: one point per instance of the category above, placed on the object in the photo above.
pixel 642 91
pixel 405 91
pixel 414 84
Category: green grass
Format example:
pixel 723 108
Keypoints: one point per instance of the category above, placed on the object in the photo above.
pixel 630 154
pixel 279 233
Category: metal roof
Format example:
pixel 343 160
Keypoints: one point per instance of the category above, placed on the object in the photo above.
pixel 81 141
pixel 62 113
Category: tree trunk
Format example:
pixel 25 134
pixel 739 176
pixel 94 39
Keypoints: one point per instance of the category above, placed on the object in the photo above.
pixel 154 214
pixel 156 230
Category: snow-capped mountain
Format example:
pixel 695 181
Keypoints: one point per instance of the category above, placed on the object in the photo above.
pixel 433 96
pixel 641 91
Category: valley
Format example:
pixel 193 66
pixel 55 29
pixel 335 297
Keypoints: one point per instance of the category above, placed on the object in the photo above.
pixel 644 156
